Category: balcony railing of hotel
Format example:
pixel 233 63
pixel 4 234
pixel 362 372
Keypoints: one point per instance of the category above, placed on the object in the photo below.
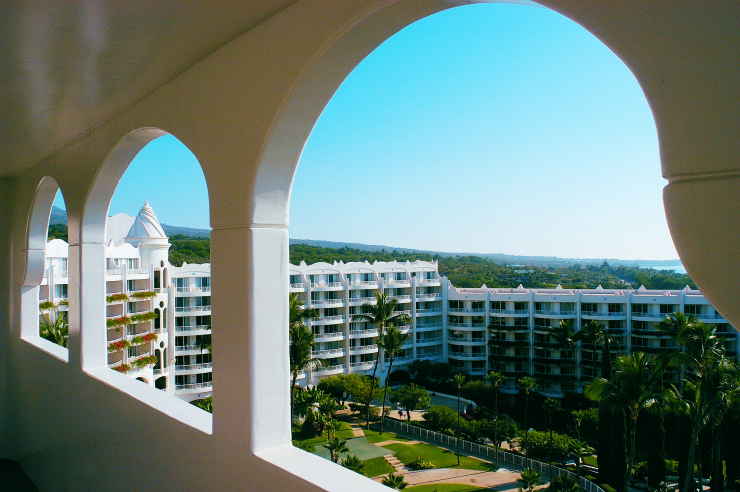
pixel 398 360
pixel 510 311
pixel 160 371
pixel 429 355
pixel 393 281
pixel 426 280
pixel 368 364
pixel 297 285
pixel 464 355
pixel 182 348
pixel 326 301
pixel 320 353
pixel 428 340
pixel 429 311
pixel 402 298
pixel 337 367
pixel 364 300
pixel 361 348
pixel 469 326
pixel 193 289
pixel 326 284
pixel 329 336
pixel 190 386
pixel 192 367
pixel 466 340
pixel 428 297
pixel 180 329
pixel 431 326
pixel 466 310
pixel 195 309
pixel 604 314
pixel 337 317
pixel 371 332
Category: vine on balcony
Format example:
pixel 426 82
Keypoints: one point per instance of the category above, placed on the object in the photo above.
pixel 141 339
pixel 143 317
pixel 116 298
pixel 122 368
pixel 119 345
pixel 123 320
pixel 145 361
pixel 46 306
pixel 144 295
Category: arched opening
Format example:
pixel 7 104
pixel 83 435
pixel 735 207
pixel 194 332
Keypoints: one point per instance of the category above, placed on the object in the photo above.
pixel 161 383
pixel 46 285
pixel 137 248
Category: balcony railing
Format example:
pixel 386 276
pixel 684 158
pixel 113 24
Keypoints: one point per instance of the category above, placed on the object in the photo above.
pixel 429 311
pixel 363 348
pixel 180 329
pixel 373 332
pixel 325 285
pixel 193 367
pixel 192 386
pixel 427 280
pixel 194 309
pixel 329 336
pixel 183 348
pixel 429 340
pixel 362 365
pixel 321 353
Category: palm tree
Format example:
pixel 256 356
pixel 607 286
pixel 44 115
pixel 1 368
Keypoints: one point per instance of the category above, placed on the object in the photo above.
pixel 458 380
pixel 579 449
pixel 564 483
pixel 336 447
pixel 392 343
pixel 301 343
pixel 551 406
pixel 352 463
pixel 592 333
pixel 703 358
pixel 383 314
pixel 496 379
pixel 677 325
pixel 394 481
pixel 204 343
pixel 527 383
pixel 565 339
pixel 331 429
pixel 634 388
pixel 529 478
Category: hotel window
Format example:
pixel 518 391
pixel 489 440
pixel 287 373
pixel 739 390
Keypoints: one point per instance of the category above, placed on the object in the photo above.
pixel 639 309
pixel 589 307
pixel 521 307
pixel 498 306
pixel 131 263
pixel 692 309
pixel 616 308
pixel 60 291
pixel 457 305
pixel 666 309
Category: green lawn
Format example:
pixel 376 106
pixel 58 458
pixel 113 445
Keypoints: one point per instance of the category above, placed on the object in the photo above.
pixel 444 487
pixel 589 460
pixel 345 432
pixel 377 466
pixel 373 436
pixel 441 458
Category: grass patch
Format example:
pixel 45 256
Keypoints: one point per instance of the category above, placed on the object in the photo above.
pixel 373 436
pixel 441 458
pixel 444 487
pixel 589 460
pixel 345 432
pixel 377 466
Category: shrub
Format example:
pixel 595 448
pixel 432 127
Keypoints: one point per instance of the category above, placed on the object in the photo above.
pixel 116 298
pixel 143 295
pixel 420 464
pixel 305 445
pixel 640 470
pixel 46 305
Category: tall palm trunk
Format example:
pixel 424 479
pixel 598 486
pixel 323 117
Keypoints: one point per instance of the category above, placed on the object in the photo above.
pixel 385 393
pixel 692 449
pixel 372 388
pixel 631 455
pixel 717 480
pixel 495 427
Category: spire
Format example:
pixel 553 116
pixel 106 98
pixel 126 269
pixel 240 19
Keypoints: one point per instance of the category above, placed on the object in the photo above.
pixel 146 224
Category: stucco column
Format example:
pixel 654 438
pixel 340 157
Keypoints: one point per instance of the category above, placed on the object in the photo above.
pixel 250 320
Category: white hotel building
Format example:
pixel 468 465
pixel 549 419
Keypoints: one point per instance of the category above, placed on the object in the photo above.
pixel 478 330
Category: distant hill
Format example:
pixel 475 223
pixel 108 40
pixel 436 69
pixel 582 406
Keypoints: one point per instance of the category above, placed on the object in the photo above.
pixel 59 216
pixel 186 231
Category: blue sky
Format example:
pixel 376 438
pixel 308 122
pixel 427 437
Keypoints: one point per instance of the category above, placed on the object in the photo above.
pixel 488 128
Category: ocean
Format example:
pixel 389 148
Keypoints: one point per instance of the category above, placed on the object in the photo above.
pixel 677 268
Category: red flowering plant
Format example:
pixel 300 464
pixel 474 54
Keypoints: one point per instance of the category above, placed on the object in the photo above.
pixel 119 345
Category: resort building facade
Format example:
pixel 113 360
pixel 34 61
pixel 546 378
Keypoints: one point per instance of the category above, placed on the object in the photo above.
pixel 158 315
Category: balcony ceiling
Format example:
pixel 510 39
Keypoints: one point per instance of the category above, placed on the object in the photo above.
pixel 67 66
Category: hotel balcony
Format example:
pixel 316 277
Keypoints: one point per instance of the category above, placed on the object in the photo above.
pixel 466 356
pixel 508 343
pixel 508 328
pixel 193 309
pixel 327 286
pixel 550 314
pixel 359 301
pixel 466 327
pixel 648 316
pixel 187 349
pixel 298 287
pixel 373 332
pixel 327 337
pixel 363 349
pixel 336 352
pixel 428 341
pixel 437 326
pixel 397 283
pixel 402 299
pixel 429 297
pixel 318 303
pixel 432 282
pixel 429 312
pixel 600 315
pixel 193 368
pixel 429 355
pixel 466 312
pixel 330 371
pixel 466 341
pixel 509 312
pixel 193 330
pixel 186 291
pixel 184 389
pixel 327 320
pixel 361 366
pixel 365 284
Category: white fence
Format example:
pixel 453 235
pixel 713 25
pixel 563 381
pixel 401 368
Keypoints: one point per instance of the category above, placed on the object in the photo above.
pixel 487 452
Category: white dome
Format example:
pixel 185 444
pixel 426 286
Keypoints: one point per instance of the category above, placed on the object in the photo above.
pixel 146 224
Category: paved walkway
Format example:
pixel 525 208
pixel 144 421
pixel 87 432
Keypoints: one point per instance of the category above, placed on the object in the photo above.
pixel 501 480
